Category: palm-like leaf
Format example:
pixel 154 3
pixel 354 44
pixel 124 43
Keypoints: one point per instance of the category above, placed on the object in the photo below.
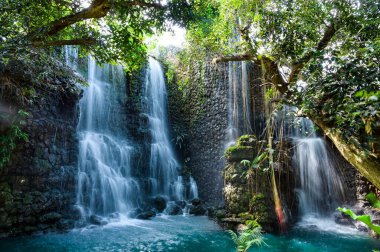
pixel 247 239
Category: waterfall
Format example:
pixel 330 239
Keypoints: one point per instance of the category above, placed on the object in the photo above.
pixel 193 189
pixel 105 182
pixel 320 188
pixel 246 99
pixel 71 57
pixel 164 169
pixel 239 107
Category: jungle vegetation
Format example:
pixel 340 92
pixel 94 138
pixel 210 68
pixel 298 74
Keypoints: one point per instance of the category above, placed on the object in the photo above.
pixel 319 55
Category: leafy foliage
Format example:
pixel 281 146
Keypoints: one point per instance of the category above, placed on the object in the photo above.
pixel 251 236
pixel 366 219
pixel 325 54
pixel 371 197
pixel 110 30
pixel 11 134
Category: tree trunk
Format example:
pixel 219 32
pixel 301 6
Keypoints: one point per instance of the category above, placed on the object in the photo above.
pixel 363 160
pixel 366 162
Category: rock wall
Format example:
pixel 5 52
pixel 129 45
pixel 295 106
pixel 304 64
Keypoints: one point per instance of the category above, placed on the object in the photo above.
pixel 38 185
pixel 200 109
pixel 248 191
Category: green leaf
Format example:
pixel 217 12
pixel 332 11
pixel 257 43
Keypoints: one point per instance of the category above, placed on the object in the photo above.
pixel 245 162
pixel 366 219
pixel 371 197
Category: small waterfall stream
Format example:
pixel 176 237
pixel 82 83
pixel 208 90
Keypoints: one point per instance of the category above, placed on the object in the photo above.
pixel 164 169
pixel 320 188
pixel 239 106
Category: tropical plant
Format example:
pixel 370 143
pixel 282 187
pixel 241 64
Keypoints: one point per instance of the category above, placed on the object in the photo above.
pixel 322 56
pixel 371 197
pixel 366 219
pixel 256 162
pixel 251 236
pixel 11 133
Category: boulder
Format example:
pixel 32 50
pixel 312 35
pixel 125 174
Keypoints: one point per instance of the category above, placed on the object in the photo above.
pixel 97 220
pixel 173 209
pixel 146 215
pixel 197 210
pixel 342 219
pixel 181 203
pixel 196 202
pixel 135 212
pixel 159 203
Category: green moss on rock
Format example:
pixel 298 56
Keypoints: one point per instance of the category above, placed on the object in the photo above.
pixel 245 148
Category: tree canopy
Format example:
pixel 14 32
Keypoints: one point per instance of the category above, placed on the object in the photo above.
pixel 113 30
pixel 322 56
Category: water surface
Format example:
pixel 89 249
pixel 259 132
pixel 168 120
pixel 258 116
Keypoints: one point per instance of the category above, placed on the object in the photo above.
pixel 184 233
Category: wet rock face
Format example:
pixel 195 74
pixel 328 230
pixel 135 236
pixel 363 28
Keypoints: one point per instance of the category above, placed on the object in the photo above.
pixel 37 186
pixel 159 203
pixel 252 198
pixel 197 208
pixel 201 110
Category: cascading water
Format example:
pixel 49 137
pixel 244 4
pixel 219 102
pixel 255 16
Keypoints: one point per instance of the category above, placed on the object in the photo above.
pixel 239 108
pixel 320 187
pixel 193 189
pixel 164 168
pixel 105 183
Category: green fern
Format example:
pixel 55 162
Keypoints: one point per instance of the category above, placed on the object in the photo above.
pixel 248 238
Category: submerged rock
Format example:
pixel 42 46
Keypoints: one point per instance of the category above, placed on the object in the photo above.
pixel 196 202
pixel 146 215
pixel 173 209
pixel 97 220
pixel 197 210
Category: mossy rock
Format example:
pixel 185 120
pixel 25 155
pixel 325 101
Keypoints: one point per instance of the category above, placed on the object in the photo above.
pixel 237 153
pixel 245 148
pixel 261 209
pixel 236 198
pixel 234 173
pixel 247 140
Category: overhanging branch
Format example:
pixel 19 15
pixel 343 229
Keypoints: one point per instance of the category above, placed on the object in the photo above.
pixel 80 41
pixel 297 66
pixel 238 57
pixel 97 9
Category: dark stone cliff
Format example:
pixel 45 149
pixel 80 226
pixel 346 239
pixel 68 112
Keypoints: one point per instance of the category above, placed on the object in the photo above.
pixel 200 108
pixel 38 185
pixel 201 111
